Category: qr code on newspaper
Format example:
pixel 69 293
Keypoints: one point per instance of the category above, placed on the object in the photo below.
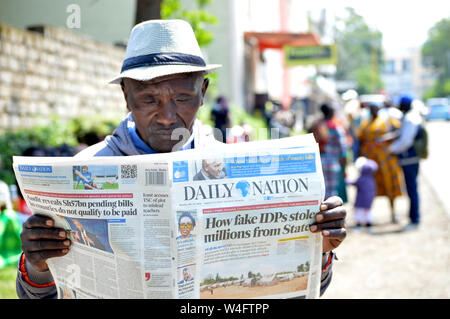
pixel 128 171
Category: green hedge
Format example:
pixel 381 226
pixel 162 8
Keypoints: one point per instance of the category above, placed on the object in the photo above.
pixel 56 133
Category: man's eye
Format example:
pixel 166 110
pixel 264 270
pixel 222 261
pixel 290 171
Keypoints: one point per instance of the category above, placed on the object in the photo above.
pixel 183 98
pixel 150 101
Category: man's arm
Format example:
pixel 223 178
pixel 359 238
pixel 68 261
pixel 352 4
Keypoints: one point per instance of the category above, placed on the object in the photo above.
pixel 40 241
pixel 31 284
pixel 406 139
pixel 327 271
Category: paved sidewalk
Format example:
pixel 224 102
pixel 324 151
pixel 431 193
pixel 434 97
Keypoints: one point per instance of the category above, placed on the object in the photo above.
pixel 389 263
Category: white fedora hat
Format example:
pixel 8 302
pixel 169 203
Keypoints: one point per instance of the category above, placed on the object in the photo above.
pixel 162 47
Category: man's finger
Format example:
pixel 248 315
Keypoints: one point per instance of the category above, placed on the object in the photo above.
pixel 331 202
pixel 39 221
pixel 335 224
pixel 44 245
pixel 332 214
pixel 339 233
pixel 44 233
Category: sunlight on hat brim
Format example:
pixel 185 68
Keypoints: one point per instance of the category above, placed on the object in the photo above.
pixel 151 72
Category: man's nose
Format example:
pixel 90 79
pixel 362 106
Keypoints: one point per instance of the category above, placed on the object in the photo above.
pixel 167 114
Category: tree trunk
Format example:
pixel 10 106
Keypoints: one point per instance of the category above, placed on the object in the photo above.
pixel 147 10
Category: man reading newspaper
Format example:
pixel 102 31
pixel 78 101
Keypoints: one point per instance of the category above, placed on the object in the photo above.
pixel 163 82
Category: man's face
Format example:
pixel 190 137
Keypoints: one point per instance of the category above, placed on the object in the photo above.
pixel 161 105
pixel 84 169
pixel 185 227
pixel 213 168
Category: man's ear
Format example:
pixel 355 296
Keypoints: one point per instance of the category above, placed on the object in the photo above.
pixel 204 88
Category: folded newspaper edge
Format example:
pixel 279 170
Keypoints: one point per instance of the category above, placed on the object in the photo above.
pixel 229 222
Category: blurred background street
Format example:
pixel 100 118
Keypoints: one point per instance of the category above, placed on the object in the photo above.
pixel 370 80
pixel 389 262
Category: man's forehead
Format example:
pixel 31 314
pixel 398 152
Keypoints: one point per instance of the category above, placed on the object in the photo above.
pixel 213 162
pixel 180 77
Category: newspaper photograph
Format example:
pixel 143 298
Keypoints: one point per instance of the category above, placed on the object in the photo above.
pixel 232 223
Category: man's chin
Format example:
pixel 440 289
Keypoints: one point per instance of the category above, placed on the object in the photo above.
pixel 165 146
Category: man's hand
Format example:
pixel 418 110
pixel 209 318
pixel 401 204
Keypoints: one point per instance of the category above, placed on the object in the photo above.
pixel 40 241
pixel 331 222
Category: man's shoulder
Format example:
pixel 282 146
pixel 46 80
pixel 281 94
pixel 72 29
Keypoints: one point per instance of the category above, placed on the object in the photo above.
pixel 199 176
pixel 413 117
pixel 99 149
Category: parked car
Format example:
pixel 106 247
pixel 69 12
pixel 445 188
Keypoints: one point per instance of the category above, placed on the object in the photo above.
pixel 438 108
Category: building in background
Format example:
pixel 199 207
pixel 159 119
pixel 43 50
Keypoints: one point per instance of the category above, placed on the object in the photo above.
pixel 405 72
pixel 253 68
pixel 108 21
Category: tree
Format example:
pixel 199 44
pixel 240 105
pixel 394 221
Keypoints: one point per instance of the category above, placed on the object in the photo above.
pixel 436 51
pixel 307 266
pixel 359 52
pixel 198 17
pixel 147 10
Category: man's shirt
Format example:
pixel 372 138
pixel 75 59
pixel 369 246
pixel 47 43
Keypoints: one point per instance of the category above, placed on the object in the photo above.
pixel 411 122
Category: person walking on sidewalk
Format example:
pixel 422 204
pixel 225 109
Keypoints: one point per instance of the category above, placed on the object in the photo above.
pixel 408 158
pixel 375 136
pixel 332 140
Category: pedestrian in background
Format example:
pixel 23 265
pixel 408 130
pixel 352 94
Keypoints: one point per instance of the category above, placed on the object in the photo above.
pixel 353 113
pixel 10 229
pixel 220 115
pixel 408 158
pixel 375 136
pixel 366 190
pixel 343 122
pixel 331 137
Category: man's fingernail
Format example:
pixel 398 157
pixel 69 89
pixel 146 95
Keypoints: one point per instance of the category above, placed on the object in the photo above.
pixel 313 228
pixel 62 234
pixel 319 217
pixel 66 242
pixel 49 222
pixel 323 207
pixel 325 232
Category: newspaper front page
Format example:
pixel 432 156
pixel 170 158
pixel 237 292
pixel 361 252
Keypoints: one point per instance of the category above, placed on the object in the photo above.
pixel 228 223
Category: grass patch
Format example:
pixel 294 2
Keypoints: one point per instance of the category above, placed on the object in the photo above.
pixel 105 186
pixel 8 282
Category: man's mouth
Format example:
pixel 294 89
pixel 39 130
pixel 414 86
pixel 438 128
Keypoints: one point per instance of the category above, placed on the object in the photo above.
pixel 164 131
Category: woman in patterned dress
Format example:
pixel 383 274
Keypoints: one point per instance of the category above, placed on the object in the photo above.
pixel 331 137
pixel 375 135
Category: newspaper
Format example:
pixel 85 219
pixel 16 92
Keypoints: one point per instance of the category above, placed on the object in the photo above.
pixel 227 222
